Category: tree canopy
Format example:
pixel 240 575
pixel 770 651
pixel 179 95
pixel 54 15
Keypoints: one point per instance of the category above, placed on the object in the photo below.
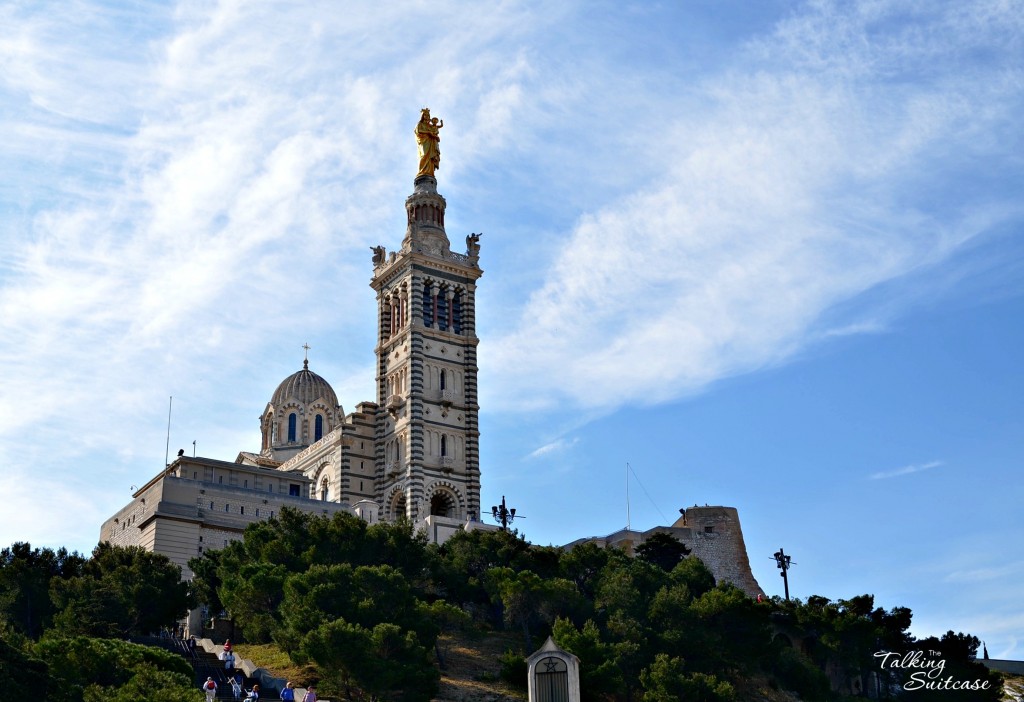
pixel 366 604
pixel 370 607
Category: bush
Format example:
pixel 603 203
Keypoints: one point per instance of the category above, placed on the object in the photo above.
pixel 797 673
pixel 514 669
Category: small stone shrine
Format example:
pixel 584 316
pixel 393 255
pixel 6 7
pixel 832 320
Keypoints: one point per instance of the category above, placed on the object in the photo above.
pixel 554 675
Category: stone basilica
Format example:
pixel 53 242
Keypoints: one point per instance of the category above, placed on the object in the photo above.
pixel 412 453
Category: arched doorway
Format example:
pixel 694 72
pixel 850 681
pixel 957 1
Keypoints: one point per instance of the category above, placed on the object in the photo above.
pixel 398 510
pixel 443 504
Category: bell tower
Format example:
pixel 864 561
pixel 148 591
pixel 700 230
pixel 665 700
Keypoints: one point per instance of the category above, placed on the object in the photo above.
pixel 426 425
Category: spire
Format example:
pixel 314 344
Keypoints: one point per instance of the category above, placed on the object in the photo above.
pixel 305 360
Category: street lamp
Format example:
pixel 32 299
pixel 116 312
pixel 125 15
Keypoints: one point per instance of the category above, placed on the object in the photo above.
pixel 783 562
pixel 503 515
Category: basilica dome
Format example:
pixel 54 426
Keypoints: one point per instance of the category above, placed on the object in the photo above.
pixel 303 410
pixel 304 387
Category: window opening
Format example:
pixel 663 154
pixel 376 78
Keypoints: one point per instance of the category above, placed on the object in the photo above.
pixel 442 312
pixel 292 421
pixel 457 313
pixel 428 306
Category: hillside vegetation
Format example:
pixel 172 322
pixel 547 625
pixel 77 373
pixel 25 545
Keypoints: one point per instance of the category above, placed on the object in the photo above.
pixel 373 612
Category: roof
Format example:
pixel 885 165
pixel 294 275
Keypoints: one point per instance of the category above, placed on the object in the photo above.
pixel 304 387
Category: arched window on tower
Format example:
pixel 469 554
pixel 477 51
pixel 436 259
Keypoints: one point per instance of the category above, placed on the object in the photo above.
pixel 444 380
pixel 444 445
pixel 318 432
pixel 292 424
pixel 457 313
pixel 324 490
pixel 428 306
pixel 442 311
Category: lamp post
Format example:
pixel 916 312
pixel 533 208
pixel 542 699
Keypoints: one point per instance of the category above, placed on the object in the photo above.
pixel 783 562
pixel 502 515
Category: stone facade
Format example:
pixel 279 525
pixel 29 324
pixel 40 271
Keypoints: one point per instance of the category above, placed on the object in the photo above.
pixel 200 503
pixel 413 454
pixel 426 425
pixel 713 535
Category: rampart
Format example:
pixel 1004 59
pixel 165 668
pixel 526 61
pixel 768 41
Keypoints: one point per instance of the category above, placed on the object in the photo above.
pixel 713 535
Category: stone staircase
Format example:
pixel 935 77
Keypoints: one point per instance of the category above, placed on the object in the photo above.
pixel 206 664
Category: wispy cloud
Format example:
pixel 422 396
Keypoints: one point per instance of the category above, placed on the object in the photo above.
pixel 865 327
pixel 1003 571
pixel 796 183
pixel 905 470
pixel 558 446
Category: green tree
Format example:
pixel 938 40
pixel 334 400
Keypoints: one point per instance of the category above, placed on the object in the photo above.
pixel 667 680
pixel 122 591
pixel 403 548
pixel 205 580
pixel 583 565
pixel 663 550
pixel 600 673
pixel 694 574
pixel 957 652
pixel 25 576
pixel 365 596
pixel 528 600
pixel 250 574
pixel 448 619
pixel 252 595
pixel 738 632
pixel 466 557
pixel 384 662
pixel 80 663
pixel 147 683
pixel 22 676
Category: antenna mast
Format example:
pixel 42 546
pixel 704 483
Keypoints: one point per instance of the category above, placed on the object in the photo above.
pixel 628 528
pixel 167 449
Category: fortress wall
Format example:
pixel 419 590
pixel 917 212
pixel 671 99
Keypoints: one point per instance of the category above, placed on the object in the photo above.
pixel 713 535
pixel 717 540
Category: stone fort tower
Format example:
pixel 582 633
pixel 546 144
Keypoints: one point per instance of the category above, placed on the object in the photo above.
pixel 426 422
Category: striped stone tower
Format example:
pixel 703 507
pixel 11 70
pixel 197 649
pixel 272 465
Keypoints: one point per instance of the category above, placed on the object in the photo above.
pixel 426 425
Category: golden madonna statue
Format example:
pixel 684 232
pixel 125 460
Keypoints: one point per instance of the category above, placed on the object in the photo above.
pixel 428 139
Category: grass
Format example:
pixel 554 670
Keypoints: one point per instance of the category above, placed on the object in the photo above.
pixel 471 674
pixel 271 658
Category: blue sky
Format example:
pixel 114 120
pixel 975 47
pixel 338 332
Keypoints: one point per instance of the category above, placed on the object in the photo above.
pixel 767 254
